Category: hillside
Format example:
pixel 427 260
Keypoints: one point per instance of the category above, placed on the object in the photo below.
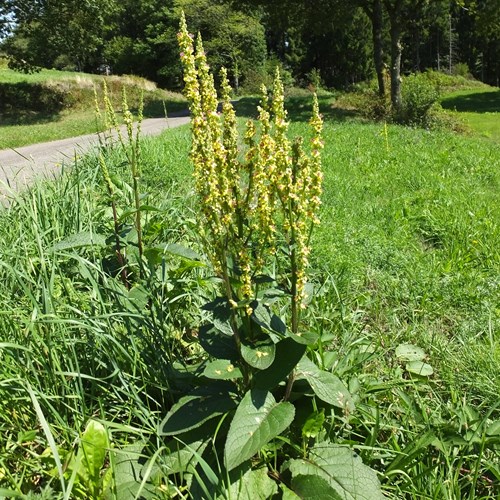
pixel 53 104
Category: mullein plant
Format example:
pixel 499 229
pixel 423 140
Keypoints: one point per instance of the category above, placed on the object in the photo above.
pixel 258 209
pixel 251 207
pixel 130 145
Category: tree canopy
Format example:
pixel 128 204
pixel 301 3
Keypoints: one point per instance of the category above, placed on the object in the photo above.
pixel 333 42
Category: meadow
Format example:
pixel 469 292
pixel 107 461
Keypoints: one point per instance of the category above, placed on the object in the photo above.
pixel 51 104
pixel 404 268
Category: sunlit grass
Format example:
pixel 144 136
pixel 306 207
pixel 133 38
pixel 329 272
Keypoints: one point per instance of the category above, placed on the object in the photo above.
pixel 407 251
pixel 479 108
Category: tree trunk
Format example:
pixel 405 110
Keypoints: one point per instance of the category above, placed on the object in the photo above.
pixel 378 51
pixel 394 10
pixel 396 51
pixel 373 10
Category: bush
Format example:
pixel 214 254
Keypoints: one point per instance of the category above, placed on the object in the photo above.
pixel 264 75
pixel 419 95
pixel 461 69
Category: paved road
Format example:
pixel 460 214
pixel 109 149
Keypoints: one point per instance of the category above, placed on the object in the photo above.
pixel 22 166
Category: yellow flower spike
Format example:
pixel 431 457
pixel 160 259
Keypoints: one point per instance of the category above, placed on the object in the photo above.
pixel 247 204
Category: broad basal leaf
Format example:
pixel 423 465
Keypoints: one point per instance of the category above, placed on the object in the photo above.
pixel 126 474
pixel 263 316
pixel 259 355
pixel 339 468
pixel 420 368
pixel 221 313
pixel 83 239
pixel 248 484
pixel 257 420
pixel 288 353
pixel 92 452
pixel 409 352
pixel 197 407
pixel 217 344
pixel 325 385
pixel 313 487
pixel 222 369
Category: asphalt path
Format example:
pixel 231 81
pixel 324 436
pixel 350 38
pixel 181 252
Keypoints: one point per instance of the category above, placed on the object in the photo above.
pixel 23 166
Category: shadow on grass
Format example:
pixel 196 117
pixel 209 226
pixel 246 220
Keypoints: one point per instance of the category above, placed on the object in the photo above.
pixel 475 102
pixel 299 108
pixel 157 108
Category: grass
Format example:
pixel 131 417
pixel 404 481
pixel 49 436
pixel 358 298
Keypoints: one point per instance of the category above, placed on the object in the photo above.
pixel 52 105
pixel 480 109
pixel 407 252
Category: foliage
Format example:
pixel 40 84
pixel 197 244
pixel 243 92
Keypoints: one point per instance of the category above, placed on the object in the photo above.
pixel 257 217
pixel 388 384
pixel 418 97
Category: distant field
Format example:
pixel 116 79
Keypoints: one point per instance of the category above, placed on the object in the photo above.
pixel 480 109
pixel 52 104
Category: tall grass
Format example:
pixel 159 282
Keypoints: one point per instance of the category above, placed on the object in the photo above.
pixel 407 253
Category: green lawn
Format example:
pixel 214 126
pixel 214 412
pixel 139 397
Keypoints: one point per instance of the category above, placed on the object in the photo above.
pixel 479 108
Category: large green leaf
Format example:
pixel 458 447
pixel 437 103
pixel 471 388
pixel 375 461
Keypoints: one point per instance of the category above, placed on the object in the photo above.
pixel 257 420
pixel 127 481
pixel 200 405
pixel 409 352
pixel 288 354
pixel 248 484
pixel 419 368
pixel 92 454
pixel 311 487
pixel 221 313
pixel 83 239
pixel 325 385
pixel 339 468
pixel 181 251
pixel 259 355
pixel 263 316
pixel 217 344
pixel 222 369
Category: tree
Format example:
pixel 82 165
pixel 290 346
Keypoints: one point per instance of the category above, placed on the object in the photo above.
pixel 46 30
pixel 374 11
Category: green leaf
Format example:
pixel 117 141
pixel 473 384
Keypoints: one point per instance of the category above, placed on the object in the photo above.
pixel 306 338
pixel 310 487
pixel 261 355
pixel 343 471
pixel 493 429
pixel 409 352
pixel 181 251
pixel 222 369
pixel 200 405
pixel 138 297
pixel 419 368
pixel 92 454
pixel 288 354
pixel 26 436
pixel 248 484
pixel 217 344
pixel 183 460
pixel 314 424
pixel 83 239
pixel 221 313
pixel 257 420
pixel 263 317
pixel 326 385
pixel 127 465
pixel 287 493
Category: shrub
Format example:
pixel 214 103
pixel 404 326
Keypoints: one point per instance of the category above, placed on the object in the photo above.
pixel 461 69
pixel 418 96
